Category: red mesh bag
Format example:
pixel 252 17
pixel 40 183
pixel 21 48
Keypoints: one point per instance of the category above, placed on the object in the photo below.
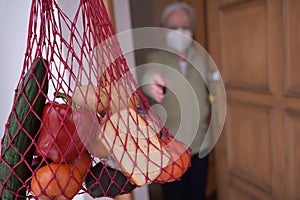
pixel 79 123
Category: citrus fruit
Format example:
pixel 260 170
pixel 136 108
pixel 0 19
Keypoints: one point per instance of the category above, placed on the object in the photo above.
pixel 83 163
pixel 56 181
pixel 179 161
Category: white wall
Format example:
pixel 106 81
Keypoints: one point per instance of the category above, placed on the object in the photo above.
pixel 13 36
pixel 123 23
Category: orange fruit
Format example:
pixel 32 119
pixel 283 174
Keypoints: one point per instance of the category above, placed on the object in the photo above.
pixel 56 181
pixel 83 163
pixel 179 161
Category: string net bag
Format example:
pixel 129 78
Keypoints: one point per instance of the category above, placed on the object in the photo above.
pixel 79 123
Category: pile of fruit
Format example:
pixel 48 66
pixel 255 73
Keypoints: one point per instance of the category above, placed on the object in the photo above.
pixel 95 141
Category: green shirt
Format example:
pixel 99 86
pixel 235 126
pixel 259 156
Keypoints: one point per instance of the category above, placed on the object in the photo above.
pixel 185 98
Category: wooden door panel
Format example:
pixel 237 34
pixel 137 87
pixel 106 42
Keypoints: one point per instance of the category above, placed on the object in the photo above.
pixel 237 193
pixel 292 46
pixel 255 45
pixel 242 190
pixel 292 120
pixel 227 2
pixel 248 143
pixel 244 45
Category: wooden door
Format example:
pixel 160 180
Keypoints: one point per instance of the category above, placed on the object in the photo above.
pixel 255 44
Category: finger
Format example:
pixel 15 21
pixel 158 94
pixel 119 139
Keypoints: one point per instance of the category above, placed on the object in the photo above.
pixel 159 79
pixel 156 89
pixel 159 98
pixel 157 93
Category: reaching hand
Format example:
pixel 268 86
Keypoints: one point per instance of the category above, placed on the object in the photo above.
pixel 158 88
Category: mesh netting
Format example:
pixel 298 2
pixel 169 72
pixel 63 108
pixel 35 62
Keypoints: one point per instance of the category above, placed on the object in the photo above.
pixel 79 123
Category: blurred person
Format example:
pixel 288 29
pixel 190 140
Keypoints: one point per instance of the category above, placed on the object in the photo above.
pixel 160 89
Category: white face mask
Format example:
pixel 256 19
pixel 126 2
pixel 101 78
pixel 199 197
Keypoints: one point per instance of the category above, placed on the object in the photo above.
pixel 179 39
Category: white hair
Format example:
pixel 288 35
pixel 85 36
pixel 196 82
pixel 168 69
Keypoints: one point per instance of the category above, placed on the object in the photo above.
pixel 178 6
